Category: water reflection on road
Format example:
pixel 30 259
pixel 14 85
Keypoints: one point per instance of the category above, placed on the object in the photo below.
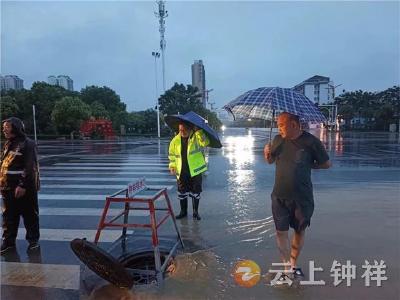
pixel 357 198
pixel 237 221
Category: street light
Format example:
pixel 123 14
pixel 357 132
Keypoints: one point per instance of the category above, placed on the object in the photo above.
pixel 197 94
pixel 334 88
pixel 211 103
pixel 157 55
pixel 334 107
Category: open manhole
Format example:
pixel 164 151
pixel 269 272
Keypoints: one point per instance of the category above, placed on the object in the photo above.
pixel 143 261
pixel 127 270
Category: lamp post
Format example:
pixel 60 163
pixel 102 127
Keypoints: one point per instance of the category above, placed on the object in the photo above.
pixel 34 122
pixel 157 55
pixel 334 107
pixel 207 97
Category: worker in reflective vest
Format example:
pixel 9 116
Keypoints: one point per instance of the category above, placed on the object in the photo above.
pixel 19 185
pixel 186 161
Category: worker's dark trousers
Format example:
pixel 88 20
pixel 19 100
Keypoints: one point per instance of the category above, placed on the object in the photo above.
pixel 13 208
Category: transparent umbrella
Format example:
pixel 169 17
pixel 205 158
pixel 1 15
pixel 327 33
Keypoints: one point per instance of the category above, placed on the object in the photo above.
pixel 266 102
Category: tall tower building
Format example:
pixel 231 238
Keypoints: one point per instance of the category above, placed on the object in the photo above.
pixel 11 82
pixel 199 79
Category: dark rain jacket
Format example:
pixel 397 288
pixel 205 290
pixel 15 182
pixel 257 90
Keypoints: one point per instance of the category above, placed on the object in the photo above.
pixel 19 163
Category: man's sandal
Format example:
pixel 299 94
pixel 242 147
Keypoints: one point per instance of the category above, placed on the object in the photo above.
pixel 297 273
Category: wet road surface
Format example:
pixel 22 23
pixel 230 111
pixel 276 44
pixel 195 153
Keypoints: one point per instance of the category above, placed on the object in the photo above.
pixel 356 218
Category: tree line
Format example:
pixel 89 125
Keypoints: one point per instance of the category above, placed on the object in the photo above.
pixel 373 110
pixel 61 112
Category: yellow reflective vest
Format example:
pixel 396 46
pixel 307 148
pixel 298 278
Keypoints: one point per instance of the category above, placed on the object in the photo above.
pixel 195 157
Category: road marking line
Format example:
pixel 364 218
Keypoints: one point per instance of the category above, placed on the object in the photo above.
pixel 40 275
pixel 97 186
pixel 83 179
pixel 140 174
pixel 104 168
pixel 121 157
pixel 67 235
pixel 72 211
pixel 94 164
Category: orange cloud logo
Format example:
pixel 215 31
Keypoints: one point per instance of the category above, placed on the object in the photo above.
pixel 246 273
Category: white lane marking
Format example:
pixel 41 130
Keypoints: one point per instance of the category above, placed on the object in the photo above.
pixel 120 158
pixel 73 197
pixel 94 164
pixel 67 235
pixel 40 275
pixel 83 179
pixel 98 186
pixel 57 155
pixel 104 168
pixel 83 186
pixel 48 172
pixel 57 211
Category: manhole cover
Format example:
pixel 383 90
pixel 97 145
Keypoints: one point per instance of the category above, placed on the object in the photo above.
pixel 102 263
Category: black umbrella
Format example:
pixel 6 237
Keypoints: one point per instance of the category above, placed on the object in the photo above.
pixel 194 119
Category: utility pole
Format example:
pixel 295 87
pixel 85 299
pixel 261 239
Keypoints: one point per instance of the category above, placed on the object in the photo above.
pixel 161 15
pixel 157 55
pixel 34 122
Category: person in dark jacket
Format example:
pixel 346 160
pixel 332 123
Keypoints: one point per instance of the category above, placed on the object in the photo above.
pixel 19 185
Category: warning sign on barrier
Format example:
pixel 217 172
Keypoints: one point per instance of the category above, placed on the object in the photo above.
pixel 136 187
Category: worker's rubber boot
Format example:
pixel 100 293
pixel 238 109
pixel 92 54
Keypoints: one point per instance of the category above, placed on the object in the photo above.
pixel 184 206
pixel 195 203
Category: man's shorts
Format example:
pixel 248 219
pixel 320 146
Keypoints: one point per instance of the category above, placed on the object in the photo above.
pixel 287 212
pixel 188 184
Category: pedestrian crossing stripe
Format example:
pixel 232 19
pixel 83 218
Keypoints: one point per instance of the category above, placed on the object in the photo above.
pixel 83 179
pixel 67 235
pixel 74 197
pixel 139 174
pixel 99 186
pixel 40 275
pixel 94 164
pixel 67 211
pixel 121 156
pixel 117 159
pixel 104 168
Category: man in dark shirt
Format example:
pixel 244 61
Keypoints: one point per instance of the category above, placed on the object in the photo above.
pixel 295 153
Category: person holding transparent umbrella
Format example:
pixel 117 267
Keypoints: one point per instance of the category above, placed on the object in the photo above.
pixel 295 152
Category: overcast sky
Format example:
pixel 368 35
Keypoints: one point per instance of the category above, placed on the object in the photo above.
pixel 243 45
